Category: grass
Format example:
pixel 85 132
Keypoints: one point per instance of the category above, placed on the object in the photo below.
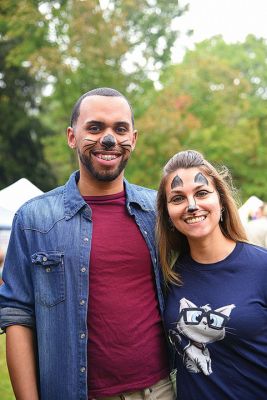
pixel 6 392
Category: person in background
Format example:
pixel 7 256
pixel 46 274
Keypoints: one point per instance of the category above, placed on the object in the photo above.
pixel 216 307
pixel 2 257
pixel 81 302
pixel 256 229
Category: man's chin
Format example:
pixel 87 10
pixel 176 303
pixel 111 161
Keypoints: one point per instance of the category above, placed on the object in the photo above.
pixel 105 175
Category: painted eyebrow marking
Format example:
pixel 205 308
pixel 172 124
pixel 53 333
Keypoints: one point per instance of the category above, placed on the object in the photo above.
pixel 177 181
pixel 200 178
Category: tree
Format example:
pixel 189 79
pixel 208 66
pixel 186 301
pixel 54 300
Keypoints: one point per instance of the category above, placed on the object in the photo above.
pixel 209 103
pixel 73 46
pixel 21 132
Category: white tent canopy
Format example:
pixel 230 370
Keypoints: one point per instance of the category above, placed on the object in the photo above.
pixel 6 218
pixel 13 196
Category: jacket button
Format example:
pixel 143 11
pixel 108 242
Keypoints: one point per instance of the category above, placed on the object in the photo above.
pixel 82 335
pixel 82 302
pixel 83 269
pixel 82 369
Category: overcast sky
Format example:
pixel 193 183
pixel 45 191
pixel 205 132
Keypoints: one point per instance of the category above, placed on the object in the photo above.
pixel 234 19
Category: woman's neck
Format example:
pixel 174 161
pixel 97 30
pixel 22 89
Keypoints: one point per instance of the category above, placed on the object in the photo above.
pixel 209 252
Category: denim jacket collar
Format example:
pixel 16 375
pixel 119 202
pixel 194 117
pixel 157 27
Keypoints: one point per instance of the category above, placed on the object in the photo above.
pixel 134 194
pixel 73 201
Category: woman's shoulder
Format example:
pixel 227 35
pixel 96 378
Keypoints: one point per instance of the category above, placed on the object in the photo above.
pixel 255 249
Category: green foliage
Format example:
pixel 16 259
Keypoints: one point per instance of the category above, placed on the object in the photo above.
pixel 21 132
pixel 96 46
pixel 74 46
pixel 166 124
pixel 214 102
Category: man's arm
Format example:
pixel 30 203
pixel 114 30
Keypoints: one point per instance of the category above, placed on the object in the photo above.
pixel 21 361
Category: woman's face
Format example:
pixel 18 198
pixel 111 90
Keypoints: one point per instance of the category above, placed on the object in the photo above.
pixel 193 204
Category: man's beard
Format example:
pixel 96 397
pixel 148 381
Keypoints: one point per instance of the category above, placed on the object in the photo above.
pixel 103 176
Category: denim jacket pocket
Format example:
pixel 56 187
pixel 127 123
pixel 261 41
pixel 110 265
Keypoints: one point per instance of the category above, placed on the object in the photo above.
pixel 49 277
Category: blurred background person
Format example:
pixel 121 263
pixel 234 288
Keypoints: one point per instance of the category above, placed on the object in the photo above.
pixel 256 229
pixel 2 256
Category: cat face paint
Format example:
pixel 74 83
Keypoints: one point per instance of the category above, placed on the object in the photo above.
pixel 177 181
pixel 104 137
pixel 200 178
pixel 108 141
pixel 194 208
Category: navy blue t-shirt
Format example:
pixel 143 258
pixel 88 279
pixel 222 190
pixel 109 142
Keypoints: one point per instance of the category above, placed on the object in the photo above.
pixel 217 322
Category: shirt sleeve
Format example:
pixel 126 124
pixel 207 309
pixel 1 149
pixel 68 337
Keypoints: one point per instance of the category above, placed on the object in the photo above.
pixel 16 292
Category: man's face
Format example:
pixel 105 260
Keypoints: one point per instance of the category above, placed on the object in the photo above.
pixel 104 136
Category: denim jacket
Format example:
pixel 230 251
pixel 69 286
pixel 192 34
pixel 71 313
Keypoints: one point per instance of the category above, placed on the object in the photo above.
pixel 46 280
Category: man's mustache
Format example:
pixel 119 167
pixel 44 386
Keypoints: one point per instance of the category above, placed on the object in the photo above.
pixel 97 146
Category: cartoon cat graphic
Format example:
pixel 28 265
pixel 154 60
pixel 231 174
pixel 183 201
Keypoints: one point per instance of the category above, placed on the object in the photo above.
pixel 196 327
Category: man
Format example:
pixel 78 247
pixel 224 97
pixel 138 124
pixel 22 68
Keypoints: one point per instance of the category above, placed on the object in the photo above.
pixel 81 298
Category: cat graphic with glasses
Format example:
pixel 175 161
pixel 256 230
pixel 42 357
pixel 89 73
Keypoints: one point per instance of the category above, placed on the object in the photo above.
pixel 196 327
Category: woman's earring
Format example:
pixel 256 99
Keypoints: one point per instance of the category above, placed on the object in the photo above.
pixel 221 214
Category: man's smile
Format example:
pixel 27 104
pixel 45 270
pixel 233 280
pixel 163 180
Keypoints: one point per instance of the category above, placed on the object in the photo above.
pixel 107 157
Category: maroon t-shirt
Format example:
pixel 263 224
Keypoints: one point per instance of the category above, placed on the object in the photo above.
pixel 126 345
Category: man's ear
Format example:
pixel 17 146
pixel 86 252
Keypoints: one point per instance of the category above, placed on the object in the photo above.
pixel 71 137
pixel 134 140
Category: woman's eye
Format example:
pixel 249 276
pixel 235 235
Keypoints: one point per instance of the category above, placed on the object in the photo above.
pixel 202 193
pixel 177 199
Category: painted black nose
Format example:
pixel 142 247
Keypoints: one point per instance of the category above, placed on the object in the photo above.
pixel 108 141
pixel 191 208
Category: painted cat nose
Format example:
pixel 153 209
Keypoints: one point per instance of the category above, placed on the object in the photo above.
pixel 192 208
pixel 108 141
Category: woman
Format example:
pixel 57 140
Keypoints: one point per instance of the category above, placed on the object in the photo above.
pixel 216 310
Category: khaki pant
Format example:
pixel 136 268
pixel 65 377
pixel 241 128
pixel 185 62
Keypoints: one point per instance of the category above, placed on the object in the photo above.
pixel 162 390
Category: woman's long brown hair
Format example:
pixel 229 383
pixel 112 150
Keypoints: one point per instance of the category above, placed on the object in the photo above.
pixel 170 241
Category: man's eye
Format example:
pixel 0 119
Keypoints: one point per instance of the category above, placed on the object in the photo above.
pixel 94 128
pixel 121 129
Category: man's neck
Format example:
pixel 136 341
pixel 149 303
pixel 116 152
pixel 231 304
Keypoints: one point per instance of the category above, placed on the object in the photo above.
pixel 92 187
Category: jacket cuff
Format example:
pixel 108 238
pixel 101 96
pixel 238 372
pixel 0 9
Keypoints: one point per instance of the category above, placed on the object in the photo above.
pixel 15 316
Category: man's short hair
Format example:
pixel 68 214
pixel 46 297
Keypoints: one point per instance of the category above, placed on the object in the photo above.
pixel 109 92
